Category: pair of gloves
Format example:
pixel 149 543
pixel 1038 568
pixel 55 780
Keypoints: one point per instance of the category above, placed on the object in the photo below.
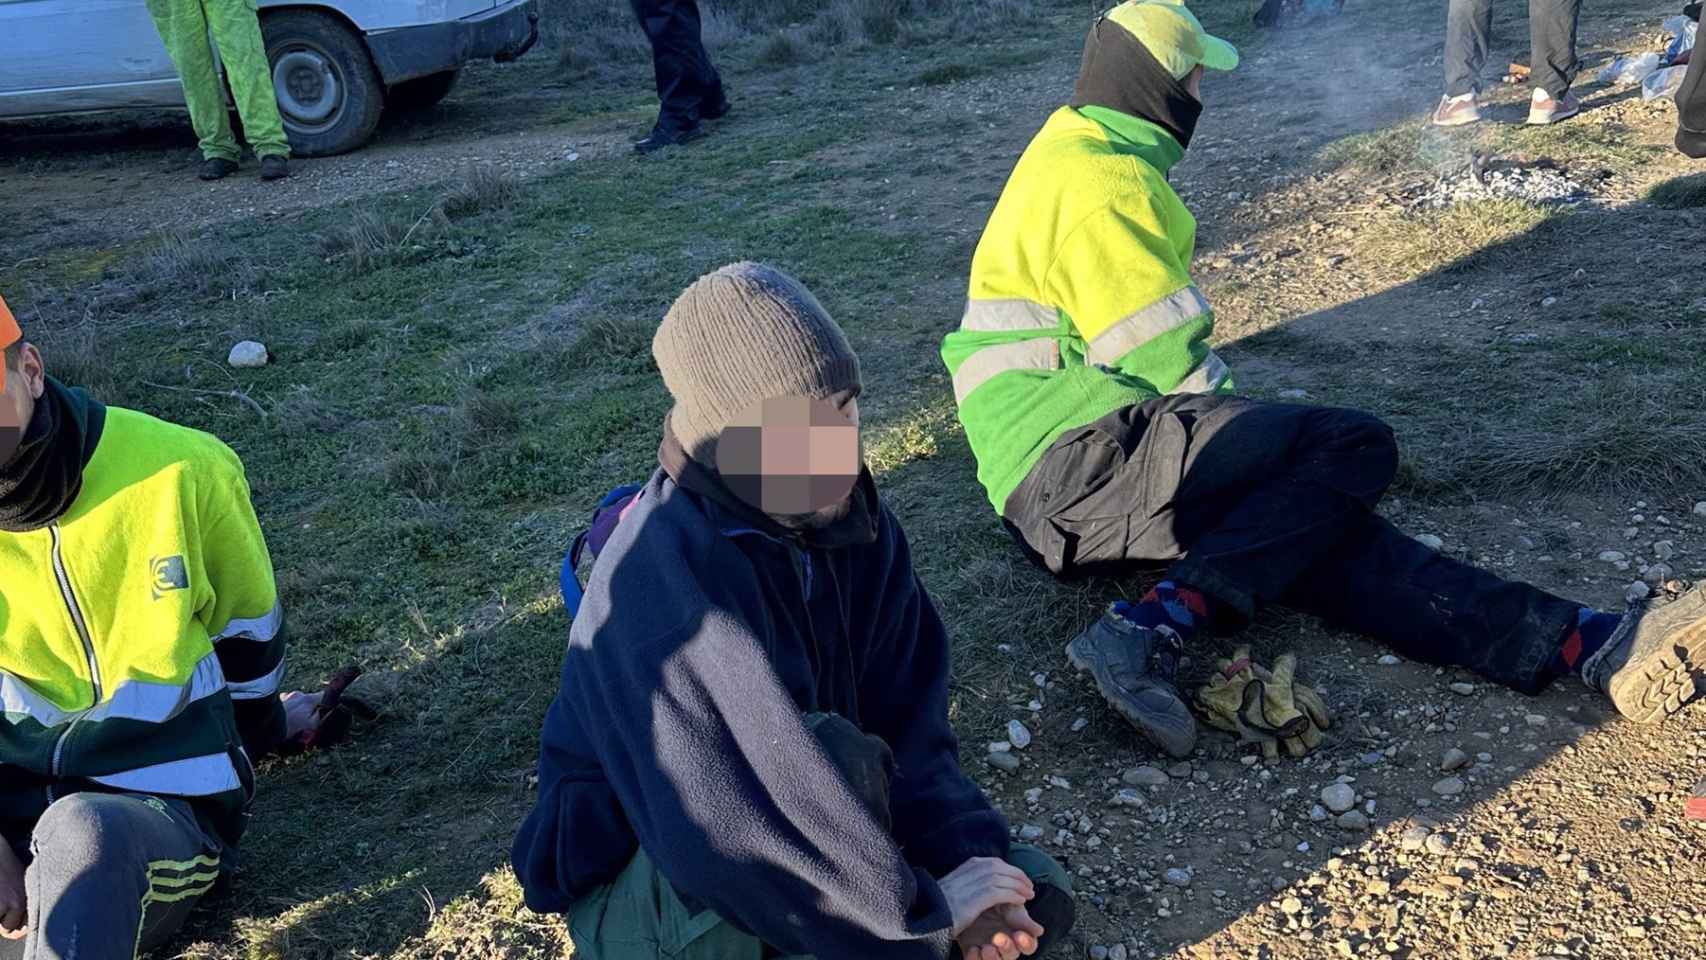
pixel 1264 706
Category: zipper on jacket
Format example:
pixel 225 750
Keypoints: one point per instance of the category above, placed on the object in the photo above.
pixel 82 626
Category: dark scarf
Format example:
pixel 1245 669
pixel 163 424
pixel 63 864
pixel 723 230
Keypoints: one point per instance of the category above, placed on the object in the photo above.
pixel 851 522
pixel 45 474
pixel 1120 73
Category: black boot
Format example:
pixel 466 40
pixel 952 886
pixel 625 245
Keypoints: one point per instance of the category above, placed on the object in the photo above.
pixel 715 108
pixel 274 168
pixel 216 168
pixel 661 137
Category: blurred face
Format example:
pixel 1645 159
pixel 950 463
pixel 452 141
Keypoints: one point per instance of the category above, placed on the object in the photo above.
pixel 1193 83
pixel 24 385
pixel 791 456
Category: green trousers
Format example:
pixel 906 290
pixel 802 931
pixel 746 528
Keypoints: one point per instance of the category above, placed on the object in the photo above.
pixel 184 25
pixel 639 917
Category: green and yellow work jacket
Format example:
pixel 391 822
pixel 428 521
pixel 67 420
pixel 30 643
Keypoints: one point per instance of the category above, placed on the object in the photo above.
pixel 141 638
pixel 1081 298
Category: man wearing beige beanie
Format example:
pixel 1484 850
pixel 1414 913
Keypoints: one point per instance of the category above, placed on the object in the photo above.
pixel 750 753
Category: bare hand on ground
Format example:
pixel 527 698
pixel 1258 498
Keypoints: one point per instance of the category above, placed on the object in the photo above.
pixel 299 716
pixel 981 884
pixel 14 906
pixel 1006 932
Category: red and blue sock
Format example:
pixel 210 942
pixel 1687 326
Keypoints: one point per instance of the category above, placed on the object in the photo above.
pixel 1185 609
pixel 1593 628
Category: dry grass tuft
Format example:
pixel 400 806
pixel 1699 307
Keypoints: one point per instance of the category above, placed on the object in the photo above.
pixel 373 239
pixel 480 188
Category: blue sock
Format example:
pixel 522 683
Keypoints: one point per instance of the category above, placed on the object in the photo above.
pixel 1593 628
pixel 1183 608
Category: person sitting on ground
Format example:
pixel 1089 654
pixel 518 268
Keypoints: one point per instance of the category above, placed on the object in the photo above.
pixel 750 752
pixel 1552 63
pixel 141 647
pixel 184 27
pixel 1108 438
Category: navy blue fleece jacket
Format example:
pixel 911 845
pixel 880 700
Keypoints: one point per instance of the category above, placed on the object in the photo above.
pixel 700 642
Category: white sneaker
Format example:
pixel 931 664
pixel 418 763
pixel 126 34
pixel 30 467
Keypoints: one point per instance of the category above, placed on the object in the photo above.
pixel 1543 110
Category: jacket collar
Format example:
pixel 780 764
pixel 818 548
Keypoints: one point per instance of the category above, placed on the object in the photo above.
pixel 1137 135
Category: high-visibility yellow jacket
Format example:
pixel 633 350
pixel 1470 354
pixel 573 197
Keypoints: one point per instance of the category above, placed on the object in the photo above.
pixel 1081 299
pixel 140 634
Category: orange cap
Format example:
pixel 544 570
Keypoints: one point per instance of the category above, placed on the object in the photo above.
pixel 9 334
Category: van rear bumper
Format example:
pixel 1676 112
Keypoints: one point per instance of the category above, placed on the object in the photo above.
pixel 501 34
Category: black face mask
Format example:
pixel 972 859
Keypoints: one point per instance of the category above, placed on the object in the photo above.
pixel 44 475
pixel 1120 73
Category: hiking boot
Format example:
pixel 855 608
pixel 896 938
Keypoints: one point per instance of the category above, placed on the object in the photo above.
pixel 1655 661
pixel 661 137
pixel 274 168
pixel 1457 111
pixel 1054 908
pixel 216 168
pixel 1136 668
pixel 1543 110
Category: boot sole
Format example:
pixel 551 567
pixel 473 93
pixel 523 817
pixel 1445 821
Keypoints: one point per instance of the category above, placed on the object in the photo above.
pixel 1666 681
pixel 1084 662
pixel 1462 122
pixel 1545 120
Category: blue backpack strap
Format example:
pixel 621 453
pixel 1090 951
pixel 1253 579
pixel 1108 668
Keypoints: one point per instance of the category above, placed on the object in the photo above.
pixel 604 519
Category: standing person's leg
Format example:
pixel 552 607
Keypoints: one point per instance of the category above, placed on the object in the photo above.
pixel 672 26
pixel 1467 25
pixel 113 875
pixel 183 29
pixel 1552 35
pixel 237 30
pixel 707 84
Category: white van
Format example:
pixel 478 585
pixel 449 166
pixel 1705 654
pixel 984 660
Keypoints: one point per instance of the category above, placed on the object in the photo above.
pixel 336 64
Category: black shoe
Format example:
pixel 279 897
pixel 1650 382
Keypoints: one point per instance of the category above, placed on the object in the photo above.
pixel 1136 671
pixel 216 168
pixel 1655 661
pixel 660 138
pixel 715 111
pixel 1055 910
pixel 274 168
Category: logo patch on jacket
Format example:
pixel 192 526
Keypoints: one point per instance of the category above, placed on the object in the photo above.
pixel 169 573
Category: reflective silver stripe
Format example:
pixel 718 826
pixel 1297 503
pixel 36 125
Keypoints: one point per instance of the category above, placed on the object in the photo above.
pixel 1039 353
pixel 1206 378
pixel 994 316
pixel 131 700
pixel 193 777
pixel 258 687
pixel 262 628
pixel 18 701
pixel 1169 313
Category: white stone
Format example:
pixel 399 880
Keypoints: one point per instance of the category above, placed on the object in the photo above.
pixel 1637 591
pixel 1000 746
pixel 1664 549
pixel 1019 734
pixel 1611 556
pixel 1449 787
pixel 1291 906
pixel 1454 759
pixel 1463 688
pixel 1177 877
pixel 1080 724
pixel 1700 509
pixel 1339 797
pixel 1146 776
pixel 1098 952
pixel 1030 833
pixel 1128 797
pixel 1414 838
pixel 1430 541
pixel 1354 820
pixel 1389 660
pixel 1117 952
pixel 1004 761
pixel 247 354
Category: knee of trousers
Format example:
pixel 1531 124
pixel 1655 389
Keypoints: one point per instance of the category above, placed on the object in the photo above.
pixel 80 831
pixel 1367 438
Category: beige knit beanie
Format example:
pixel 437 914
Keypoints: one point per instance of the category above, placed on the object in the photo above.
pixel 741 334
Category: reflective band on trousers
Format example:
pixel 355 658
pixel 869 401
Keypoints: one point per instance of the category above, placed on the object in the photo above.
pixel 1169 313
pixel 1005 316
pixel 258 687
pixel 130 700
pixel 1206 378
pixel 1040 353
pixel 192 777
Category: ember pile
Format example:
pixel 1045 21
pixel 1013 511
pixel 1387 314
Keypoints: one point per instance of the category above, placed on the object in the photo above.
pixel 1541 181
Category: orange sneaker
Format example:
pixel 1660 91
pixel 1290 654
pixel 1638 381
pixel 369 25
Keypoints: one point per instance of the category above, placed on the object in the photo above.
pixel 1457 111
pixel 1543 110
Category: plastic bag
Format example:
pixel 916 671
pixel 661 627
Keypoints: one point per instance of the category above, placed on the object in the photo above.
pixel 1629 69
pixel 1684 41
pixel 1663 83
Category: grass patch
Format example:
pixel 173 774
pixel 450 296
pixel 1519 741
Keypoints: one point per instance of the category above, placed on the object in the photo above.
pixel 1679 193
pixel 1464 237
pixel 482 188
pixel 783 49
pixel 945 74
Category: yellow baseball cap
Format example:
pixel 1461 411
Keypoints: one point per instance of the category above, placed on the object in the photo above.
pixel 1174 36
pixel 9 334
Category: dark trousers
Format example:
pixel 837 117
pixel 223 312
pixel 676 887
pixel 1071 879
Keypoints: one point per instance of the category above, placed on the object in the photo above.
pixel 1258 503
pixel 1691 108
pixel 1552 33
pixel 687 83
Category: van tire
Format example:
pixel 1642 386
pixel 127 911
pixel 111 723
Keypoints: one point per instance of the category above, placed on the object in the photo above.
pixel 422 92
pixel 329 95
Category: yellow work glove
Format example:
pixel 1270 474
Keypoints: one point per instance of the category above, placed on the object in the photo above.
pixel 1263 706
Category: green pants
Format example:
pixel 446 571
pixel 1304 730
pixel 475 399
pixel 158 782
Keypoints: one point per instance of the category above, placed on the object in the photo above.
pixel 639 917
pixel 183 25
